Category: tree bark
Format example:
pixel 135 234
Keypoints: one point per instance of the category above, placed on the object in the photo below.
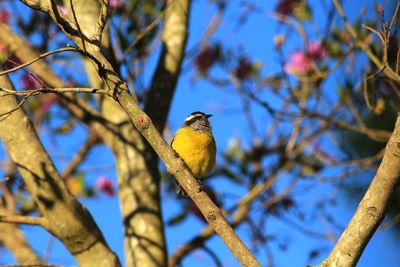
pixel 372 208
pixel 63 215
pixel 138 176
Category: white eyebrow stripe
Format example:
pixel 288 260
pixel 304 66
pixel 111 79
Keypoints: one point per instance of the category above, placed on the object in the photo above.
pixel 190 117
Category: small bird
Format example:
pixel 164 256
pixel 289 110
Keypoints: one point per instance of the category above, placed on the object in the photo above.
pixel 195 144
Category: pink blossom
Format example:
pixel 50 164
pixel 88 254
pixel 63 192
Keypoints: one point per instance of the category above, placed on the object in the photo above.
pixel 117 3
pixel 105 185
pixel 4 16
pixel 301 62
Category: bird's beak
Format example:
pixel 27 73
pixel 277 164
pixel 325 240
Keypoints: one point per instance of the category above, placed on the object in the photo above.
pixel 208 115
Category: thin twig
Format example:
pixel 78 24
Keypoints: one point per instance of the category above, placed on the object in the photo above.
pixel 140 36
pixel 52 90
pixel 81 35
pixel 8 113
pixel 361 44
pixel 365 85
pixel 38 58
pixel 394 15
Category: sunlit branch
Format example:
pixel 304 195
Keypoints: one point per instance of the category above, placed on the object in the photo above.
pixel 19 219
pixel 44 55
pixel 361 44
pixel 372 208
pixel 52 90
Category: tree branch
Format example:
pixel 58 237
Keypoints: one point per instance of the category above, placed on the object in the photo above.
pixel 52 90
pixel 44 55
pixel 243 207
pixel 19 219
pixel 175 166
pixel 65 217
pixel 387 70
pixel 371 209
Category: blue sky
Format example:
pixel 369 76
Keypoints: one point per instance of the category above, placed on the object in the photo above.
pixel 255 36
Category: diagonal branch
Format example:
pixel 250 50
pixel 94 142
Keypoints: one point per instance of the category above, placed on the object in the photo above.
pixel 372 208
pixel 150 132
pixel 175 166
pixel 243 207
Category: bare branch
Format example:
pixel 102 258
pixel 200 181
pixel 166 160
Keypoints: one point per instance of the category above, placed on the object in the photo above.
pixel 18 219
pixel 371 209
pixel 52 90
pixel 361 44
pixel 44 55
pixel 65 217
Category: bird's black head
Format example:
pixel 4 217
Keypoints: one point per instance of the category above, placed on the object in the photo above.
pixel 198 120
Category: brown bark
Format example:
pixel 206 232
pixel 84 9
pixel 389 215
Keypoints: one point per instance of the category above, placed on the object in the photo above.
pixel 138 177
pixel 63 215
pixel 372 208
pixel 119 91
pixel 175 166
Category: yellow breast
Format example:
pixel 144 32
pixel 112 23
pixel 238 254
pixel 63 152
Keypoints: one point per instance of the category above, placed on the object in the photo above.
pixel 196 149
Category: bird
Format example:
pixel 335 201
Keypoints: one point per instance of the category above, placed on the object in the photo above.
pixel 195 145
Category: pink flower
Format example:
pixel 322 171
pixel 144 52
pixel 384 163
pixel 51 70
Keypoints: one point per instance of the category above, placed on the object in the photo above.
pixel 117 3
pixel 105 185
pixel 301 62
pixel 4 16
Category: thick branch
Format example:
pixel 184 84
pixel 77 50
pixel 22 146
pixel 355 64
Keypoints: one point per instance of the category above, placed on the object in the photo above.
pixel 371 209
pixel 65 217
pixel 243 207
pixel 175 166
pixel 169 64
